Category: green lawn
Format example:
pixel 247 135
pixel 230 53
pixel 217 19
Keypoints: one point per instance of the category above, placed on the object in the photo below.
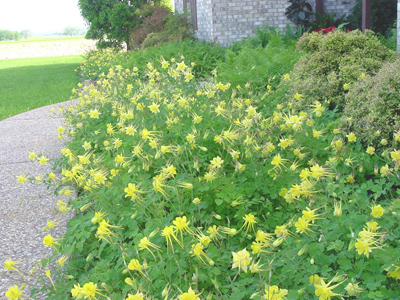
pixel 29 83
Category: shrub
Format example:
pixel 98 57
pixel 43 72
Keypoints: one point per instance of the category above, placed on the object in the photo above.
pixel 154 19
pixel 177 27
pixel 160 25
pixel 335 60
pixel 373 105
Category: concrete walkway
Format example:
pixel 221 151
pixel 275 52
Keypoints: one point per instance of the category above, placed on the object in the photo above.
pixel 25 209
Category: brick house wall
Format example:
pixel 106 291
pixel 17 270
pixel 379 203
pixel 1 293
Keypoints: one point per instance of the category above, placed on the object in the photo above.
pixel 224 22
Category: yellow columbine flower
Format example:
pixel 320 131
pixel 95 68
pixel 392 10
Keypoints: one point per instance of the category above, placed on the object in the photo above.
pixel 395 273
pixel 278 161
pixel 134 265
pixel 22 178
pixel 181 66
pixel 315 279
pixel 181 225
pixel 385 170
pixel 10 265
pixel 351 137
pixel 275 293
pixel 241 260
pixel 49 241
pixel 309 215
pixel 137 296
pixel 216 162
pixel 133 191
pixel 14 293
pixel 169 232
pixel 377 211
pixel 337 209
pixel 249 221
pixel 32 155
pixel 158 185
pixel 154 108
pixel 43 160
pixel 190 295
pixel 282 231
pixel 324 290
pixel 302 225
pixel 98 217
pixel 94 113
pixel 370 150
pixel 197 250
pixel 146 244
pixel 353 289
pixel 103 230
pixel 298 96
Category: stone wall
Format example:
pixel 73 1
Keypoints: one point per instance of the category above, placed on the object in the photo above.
pixel 224 22
pixel 205 30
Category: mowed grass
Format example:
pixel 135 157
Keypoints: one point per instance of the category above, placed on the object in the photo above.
pixel 30 83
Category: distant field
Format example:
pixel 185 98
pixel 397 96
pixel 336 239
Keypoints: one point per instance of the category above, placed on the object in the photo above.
pixel 30 83
pixel 44 38
pixel 45 48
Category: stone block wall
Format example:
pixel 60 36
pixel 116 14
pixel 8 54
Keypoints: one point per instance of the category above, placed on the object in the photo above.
pixel 226 21
pixel 205 20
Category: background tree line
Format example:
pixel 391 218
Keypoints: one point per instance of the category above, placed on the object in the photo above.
pixel 8 35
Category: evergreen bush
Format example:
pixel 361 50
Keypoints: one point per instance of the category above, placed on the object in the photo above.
pixel 373 105
pixel 335 60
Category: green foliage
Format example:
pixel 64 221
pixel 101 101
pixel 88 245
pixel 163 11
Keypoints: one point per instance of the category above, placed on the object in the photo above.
pixel 335 60
pixel 390 38
pixel 8 35
pixel 260 61
pixel 70 30
pixel 326 20
pixel 204 57
pixel 290 195
pixel 383 15
pixel 97 62
pixel 373 105
pixel 26 33
pixel 112 21
pixel 299 12
pixel 257 192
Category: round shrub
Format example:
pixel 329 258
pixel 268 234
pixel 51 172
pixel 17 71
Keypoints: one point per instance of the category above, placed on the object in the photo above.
pixel 335 60
pixel 373 104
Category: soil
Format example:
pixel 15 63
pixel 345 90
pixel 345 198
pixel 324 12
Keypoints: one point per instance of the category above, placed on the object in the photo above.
pixel 45 49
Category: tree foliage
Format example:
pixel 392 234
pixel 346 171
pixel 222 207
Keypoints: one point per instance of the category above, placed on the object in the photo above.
pixel 70 30
pixel 111 21
pixel 8 35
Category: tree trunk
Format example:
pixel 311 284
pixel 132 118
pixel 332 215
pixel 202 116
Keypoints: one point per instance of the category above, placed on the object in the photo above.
pixel 319 6
pixel 366 15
